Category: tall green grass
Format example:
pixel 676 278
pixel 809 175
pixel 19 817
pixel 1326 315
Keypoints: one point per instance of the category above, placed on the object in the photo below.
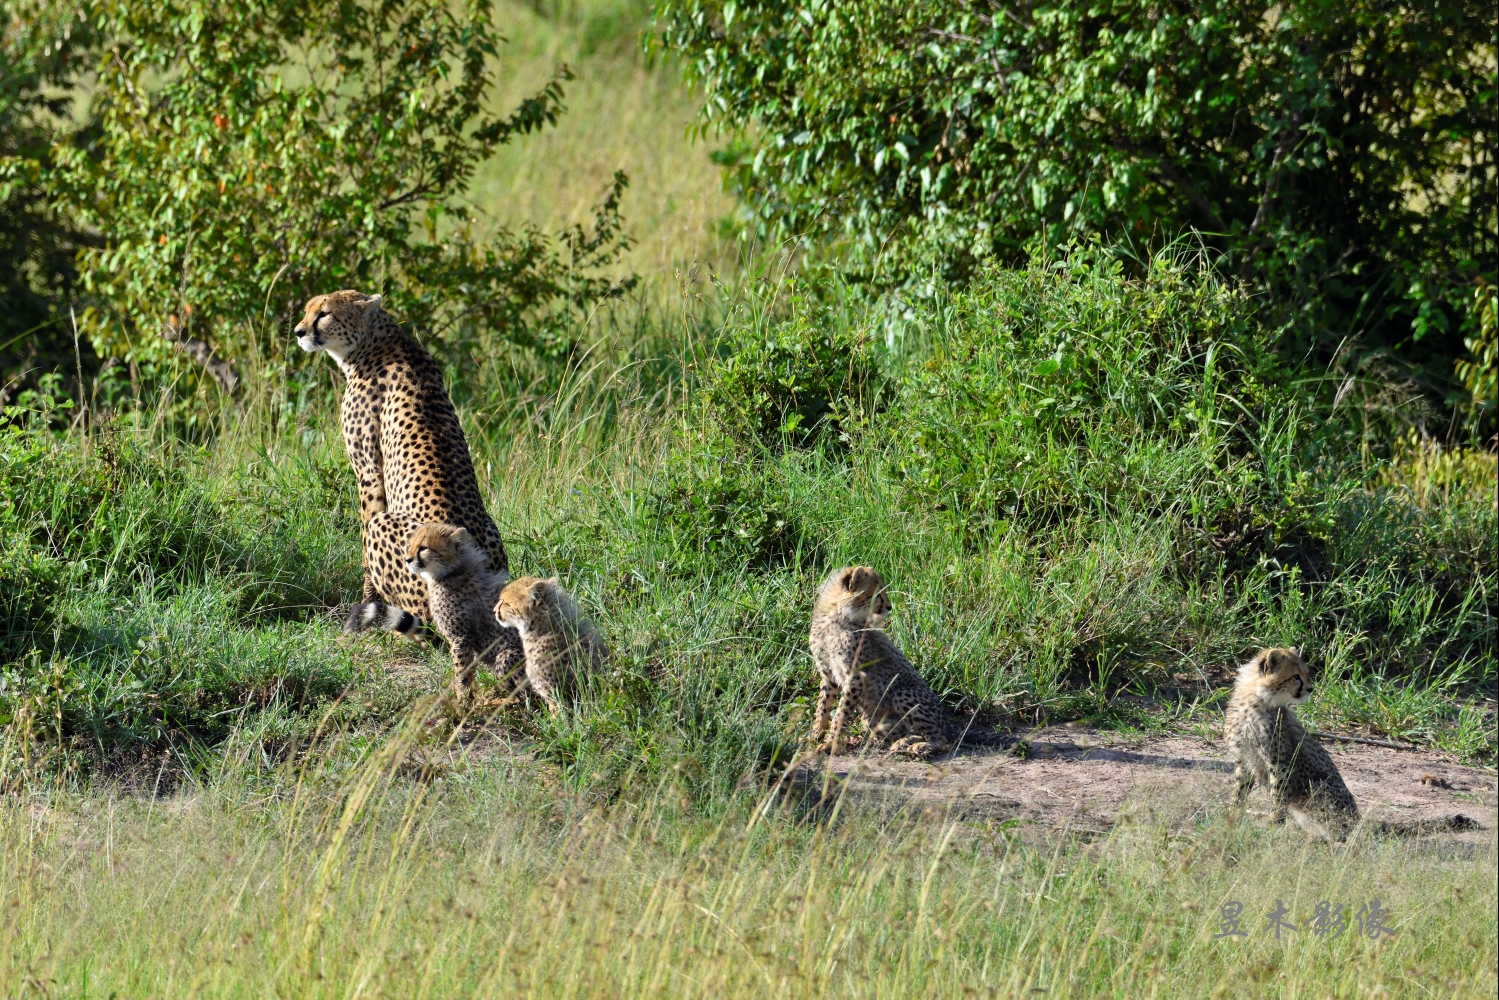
pixel 1109 560
pixel 489 884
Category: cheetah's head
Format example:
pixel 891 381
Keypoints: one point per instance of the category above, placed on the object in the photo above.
pixel 1279 677
pixel 437 551
pixel 856 596
pixel 531 604
pixel 336 322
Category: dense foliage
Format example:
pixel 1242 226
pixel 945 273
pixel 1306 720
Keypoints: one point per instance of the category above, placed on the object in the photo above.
pixel 248 154
pixel 39 46
pixel 1339 155
pixel 793 379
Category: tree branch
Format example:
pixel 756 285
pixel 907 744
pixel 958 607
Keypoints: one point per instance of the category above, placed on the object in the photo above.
pixel 1179 180
pixel 174 334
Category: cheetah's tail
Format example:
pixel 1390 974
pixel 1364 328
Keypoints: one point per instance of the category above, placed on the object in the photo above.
pixel 377 614
pixel 1455 823
pixel 971 733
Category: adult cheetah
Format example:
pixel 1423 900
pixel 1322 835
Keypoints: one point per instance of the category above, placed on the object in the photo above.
pixel 408 453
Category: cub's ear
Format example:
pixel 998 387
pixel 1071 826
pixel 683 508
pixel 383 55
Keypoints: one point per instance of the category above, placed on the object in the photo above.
pixel 1264 659
pixel 461 537
pixel 373 302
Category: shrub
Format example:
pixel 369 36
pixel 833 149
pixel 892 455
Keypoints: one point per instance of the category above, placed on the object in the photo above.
pixel 1339 154
pixel 717 511
pixel 1066 389
pixel 252 153
pixel 794 381
pixel 39 47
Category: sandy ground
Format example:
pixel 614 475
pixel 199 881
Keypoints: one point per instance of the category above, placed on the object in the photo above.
pixel 1080 779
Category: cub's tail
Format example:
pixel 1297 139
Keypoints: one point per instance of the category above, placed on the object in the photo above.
pixel 379 615
pixel 971 733
pixel 1455 823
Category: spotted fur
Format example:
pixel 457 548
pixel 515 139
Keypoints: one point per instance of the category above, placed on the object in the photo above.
pixel 560 644
pixel 859 662
pixel 461 594
pixel 404 441
pixel 1271 748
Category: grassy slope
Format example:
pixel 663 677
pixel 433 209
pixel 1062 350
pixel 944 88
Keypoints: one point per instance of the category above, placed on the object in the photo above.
pixel 622 115
pixel 201 589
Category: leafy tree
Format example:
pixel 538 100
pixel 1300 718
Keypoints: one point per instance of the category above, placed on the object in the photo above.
pixel 39 45
pixel 1338 154
pixel 250 153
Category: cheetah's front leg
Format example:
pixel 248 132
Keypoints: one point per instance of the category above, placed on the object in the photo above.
pixel 840 719
pixel 465 665
pixel 1278 798
pixel 824 709
pixel 1245 784
pixel 509 659
pixel 542 677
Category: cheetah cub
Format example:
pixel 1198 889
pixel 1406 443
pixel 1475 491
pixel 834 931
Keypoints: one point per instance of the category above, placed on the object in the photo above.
pixel 560 645
pixel 1269 746
pixel 856 659
pixel 461 591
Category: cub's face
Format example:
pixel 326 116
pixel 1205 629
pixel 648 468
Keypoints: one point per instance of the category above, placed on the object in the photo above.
pixel 437 550
pixel 859 596
pixel 1283 677
pixel 336 322
pixel 522 603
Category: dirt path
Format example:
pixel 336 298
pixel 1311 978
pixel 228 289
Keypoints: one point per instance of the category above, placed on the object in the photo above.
pixel 1085 780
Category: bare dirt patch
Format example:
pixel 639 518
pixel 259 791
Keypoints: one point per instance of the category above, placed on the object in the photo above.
pixel 1080 779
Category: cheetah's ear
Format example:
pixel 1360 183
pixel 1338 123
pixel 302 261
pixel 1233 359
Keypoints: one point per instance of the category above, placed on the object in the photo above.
pixel 461 537
pixel 846 578
pixel 373 302
pixel 1265 661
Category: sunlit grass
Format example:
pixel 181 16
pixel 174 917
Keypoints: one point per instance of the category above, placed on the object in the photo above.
pixel 488 883
pixel 622 114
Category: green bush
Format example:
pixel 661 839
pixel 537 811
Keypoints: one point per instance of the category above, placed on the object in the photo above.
pixel 715 510
pixel 249 154
pixel 1065 390
pixel 40 44
pixel 792 381
pixel 31 583
pixel 1339 155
